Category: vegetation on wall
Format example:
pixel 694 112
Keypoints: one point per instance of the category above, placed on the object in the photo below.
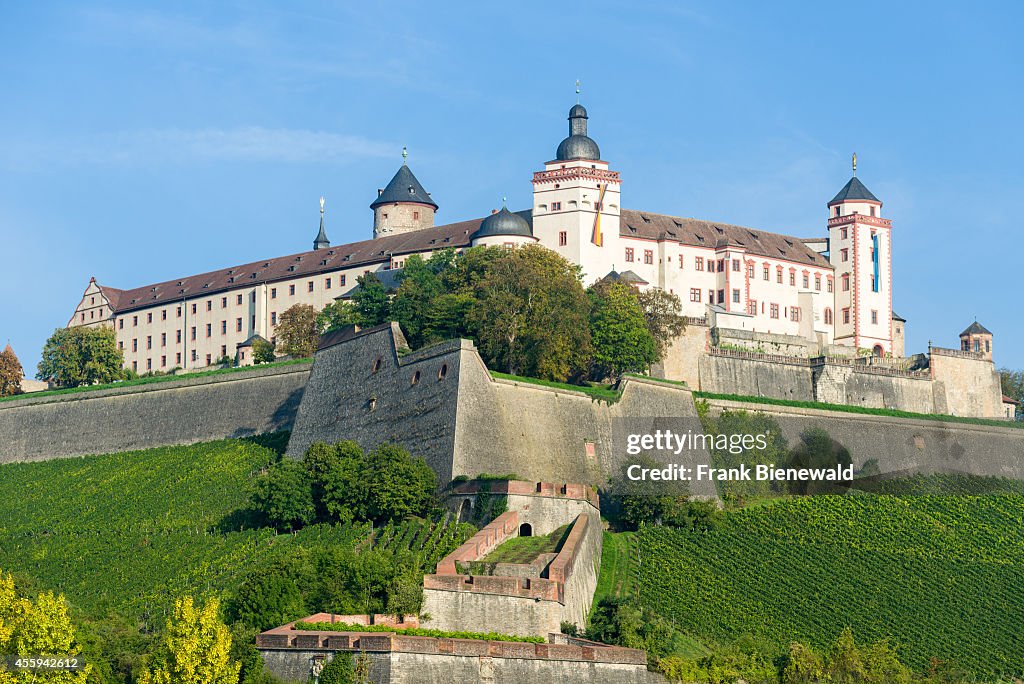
pixel 417 631
pixel 81 356
pixel 296 332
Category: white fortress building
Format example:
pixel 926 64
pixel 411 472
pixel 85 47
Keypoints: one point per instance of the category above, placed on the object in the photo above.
pixel 832 293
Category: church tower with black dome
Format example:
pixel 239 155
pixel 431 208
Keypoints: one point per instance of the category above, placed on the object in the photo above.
pixel 576 201
pixel 404 205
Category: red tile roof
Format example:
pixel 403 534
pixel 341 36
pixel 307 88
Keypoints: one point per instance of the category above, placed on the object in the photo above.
pixel 637 224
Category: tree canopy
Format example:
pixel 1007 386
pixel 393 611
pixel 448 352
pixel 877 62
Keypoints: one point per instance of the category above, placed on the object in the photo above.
pixel 81 356
pixel 619 334
pixel 11 373
pixel 196 648
pixel 297 331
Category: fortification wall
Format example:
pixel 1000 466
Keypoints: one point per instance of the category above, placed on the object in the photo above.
pixel 780 378
pixel 184 411
pixel 837 384
pixel 370 389
pixel 680 362
pixel 971 386
pixel 901 444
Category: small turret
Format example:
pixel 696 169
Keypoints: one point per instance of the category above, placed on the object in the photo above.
pixel 404 205
pixel 321 241
pixel 978 339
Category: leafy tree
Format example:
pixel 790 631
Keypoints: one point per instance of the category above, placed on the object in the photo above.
pixel 297 331
pixel 532 314
pixel 618 331
pixel 267 600
pixel 1012 383
pixel 371 300
pixel 196 648
pixel 36 627
pixel 337 315
pixel 661 311
pixel 803 665
pixel 262 351
pixel 397 483
pixel 11 373
pixel 339 670
pixel 284 496
pixel 81 356
pixel 419 286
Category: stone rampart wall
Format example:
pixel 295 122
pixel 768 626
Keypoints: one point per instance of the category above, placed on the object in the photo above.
pixel 182 411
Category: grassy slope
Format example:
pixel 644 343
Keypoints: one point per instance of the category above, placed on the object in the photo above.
pixel 939 576
pixel 526 549
pixel 129 532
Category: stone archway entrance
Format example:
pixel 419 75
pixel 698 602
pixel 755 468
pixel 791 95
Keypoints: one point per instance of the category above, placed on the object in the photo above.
pixel 526 530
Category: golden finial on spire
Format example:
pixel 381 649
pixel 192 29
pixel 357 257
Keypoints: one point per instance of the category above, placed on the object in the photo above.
pixel 854 163
pixel 405 154
pixel 321 205
pixel 577 91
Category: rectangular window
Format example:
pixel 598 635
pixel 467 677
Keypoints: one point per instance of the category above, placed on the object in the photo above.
pixel 120 344
pixel 163 339
pixel 209 305
pixel 193 355
pixel 698 263
pixel 163 314
pixel 817 282
pixel 807 281
pixel 273 293
pixel 193 309
pixel 721 296
pixel 327 283
pixel 829 284
pixel 874 317
pixel 556 206
pixel 752 307
pixel 135 321
pixel 846 316
pixel 694 294
pixel 193 335
pixel 238 300
pixel 209 329
pixel 149 318
pixel 711 296
pixel 735 296
pixel 766 276
pixel 648 256
pixel 721 265
pixel 774 310
pixel 342 278
pixel 794 314
pixel 178 336
pixel 238 325
pixel 135 366
pixel 223 350
pixel 563 238
pixel 846 282
pixel 843 233
pixel 681 261
pixel 179 312
pixel 149 341
pixel 778 275
pixel 273 318
pixel 629 254
pixel 120 324
pixel 135 345
pixel 415 216
pixel 750 270
pixel 310 285
pixel 177 359
pixel 163 362
pixel 209 359
pixel 792 278
pixel 223 302
pixel 223 327
pixel 149 364
pixel 291 290
pixel 736 265
pixel 711 266
pixel 844 254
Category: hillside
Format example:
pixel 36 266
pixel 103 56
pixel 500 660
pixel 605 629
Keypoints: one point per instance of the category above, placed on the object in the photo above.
pixel 129 532
pixel 937 575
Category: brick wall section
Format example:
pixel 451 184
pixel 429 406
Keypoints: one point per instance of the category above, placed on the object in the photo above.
pixel 480 544
pixel 562 566
pixel 566 490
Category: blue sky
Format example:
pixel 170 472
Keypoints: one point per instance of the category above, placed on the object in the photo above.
pixel 142 144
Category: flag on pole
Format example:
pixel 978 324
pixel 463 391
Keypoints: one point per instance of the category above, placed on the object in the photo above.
pixel 596 237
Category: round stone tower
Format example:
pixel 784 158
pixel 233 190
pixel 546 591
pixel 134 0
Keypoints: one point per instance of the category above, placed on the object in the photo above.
pixel 403 206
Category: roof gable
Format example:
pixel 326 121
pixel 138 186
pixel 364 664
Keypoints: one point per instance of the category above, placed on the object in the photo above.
pixel 404 187
pixel 854 191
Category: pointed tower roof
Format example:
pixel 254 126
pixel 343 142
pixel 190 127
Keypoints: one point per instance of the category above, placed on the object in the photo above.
pixel 403 188
pixel 976 328
pixel 854 191
pixel 321 241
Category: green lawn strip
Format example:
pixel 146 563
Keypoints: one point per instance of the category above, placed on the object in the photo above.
pixel 526 549
pixel 666 381
pixel 600 392
pixel 152 380
pixel 415 631
pixel 859 409
pixel 614 579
